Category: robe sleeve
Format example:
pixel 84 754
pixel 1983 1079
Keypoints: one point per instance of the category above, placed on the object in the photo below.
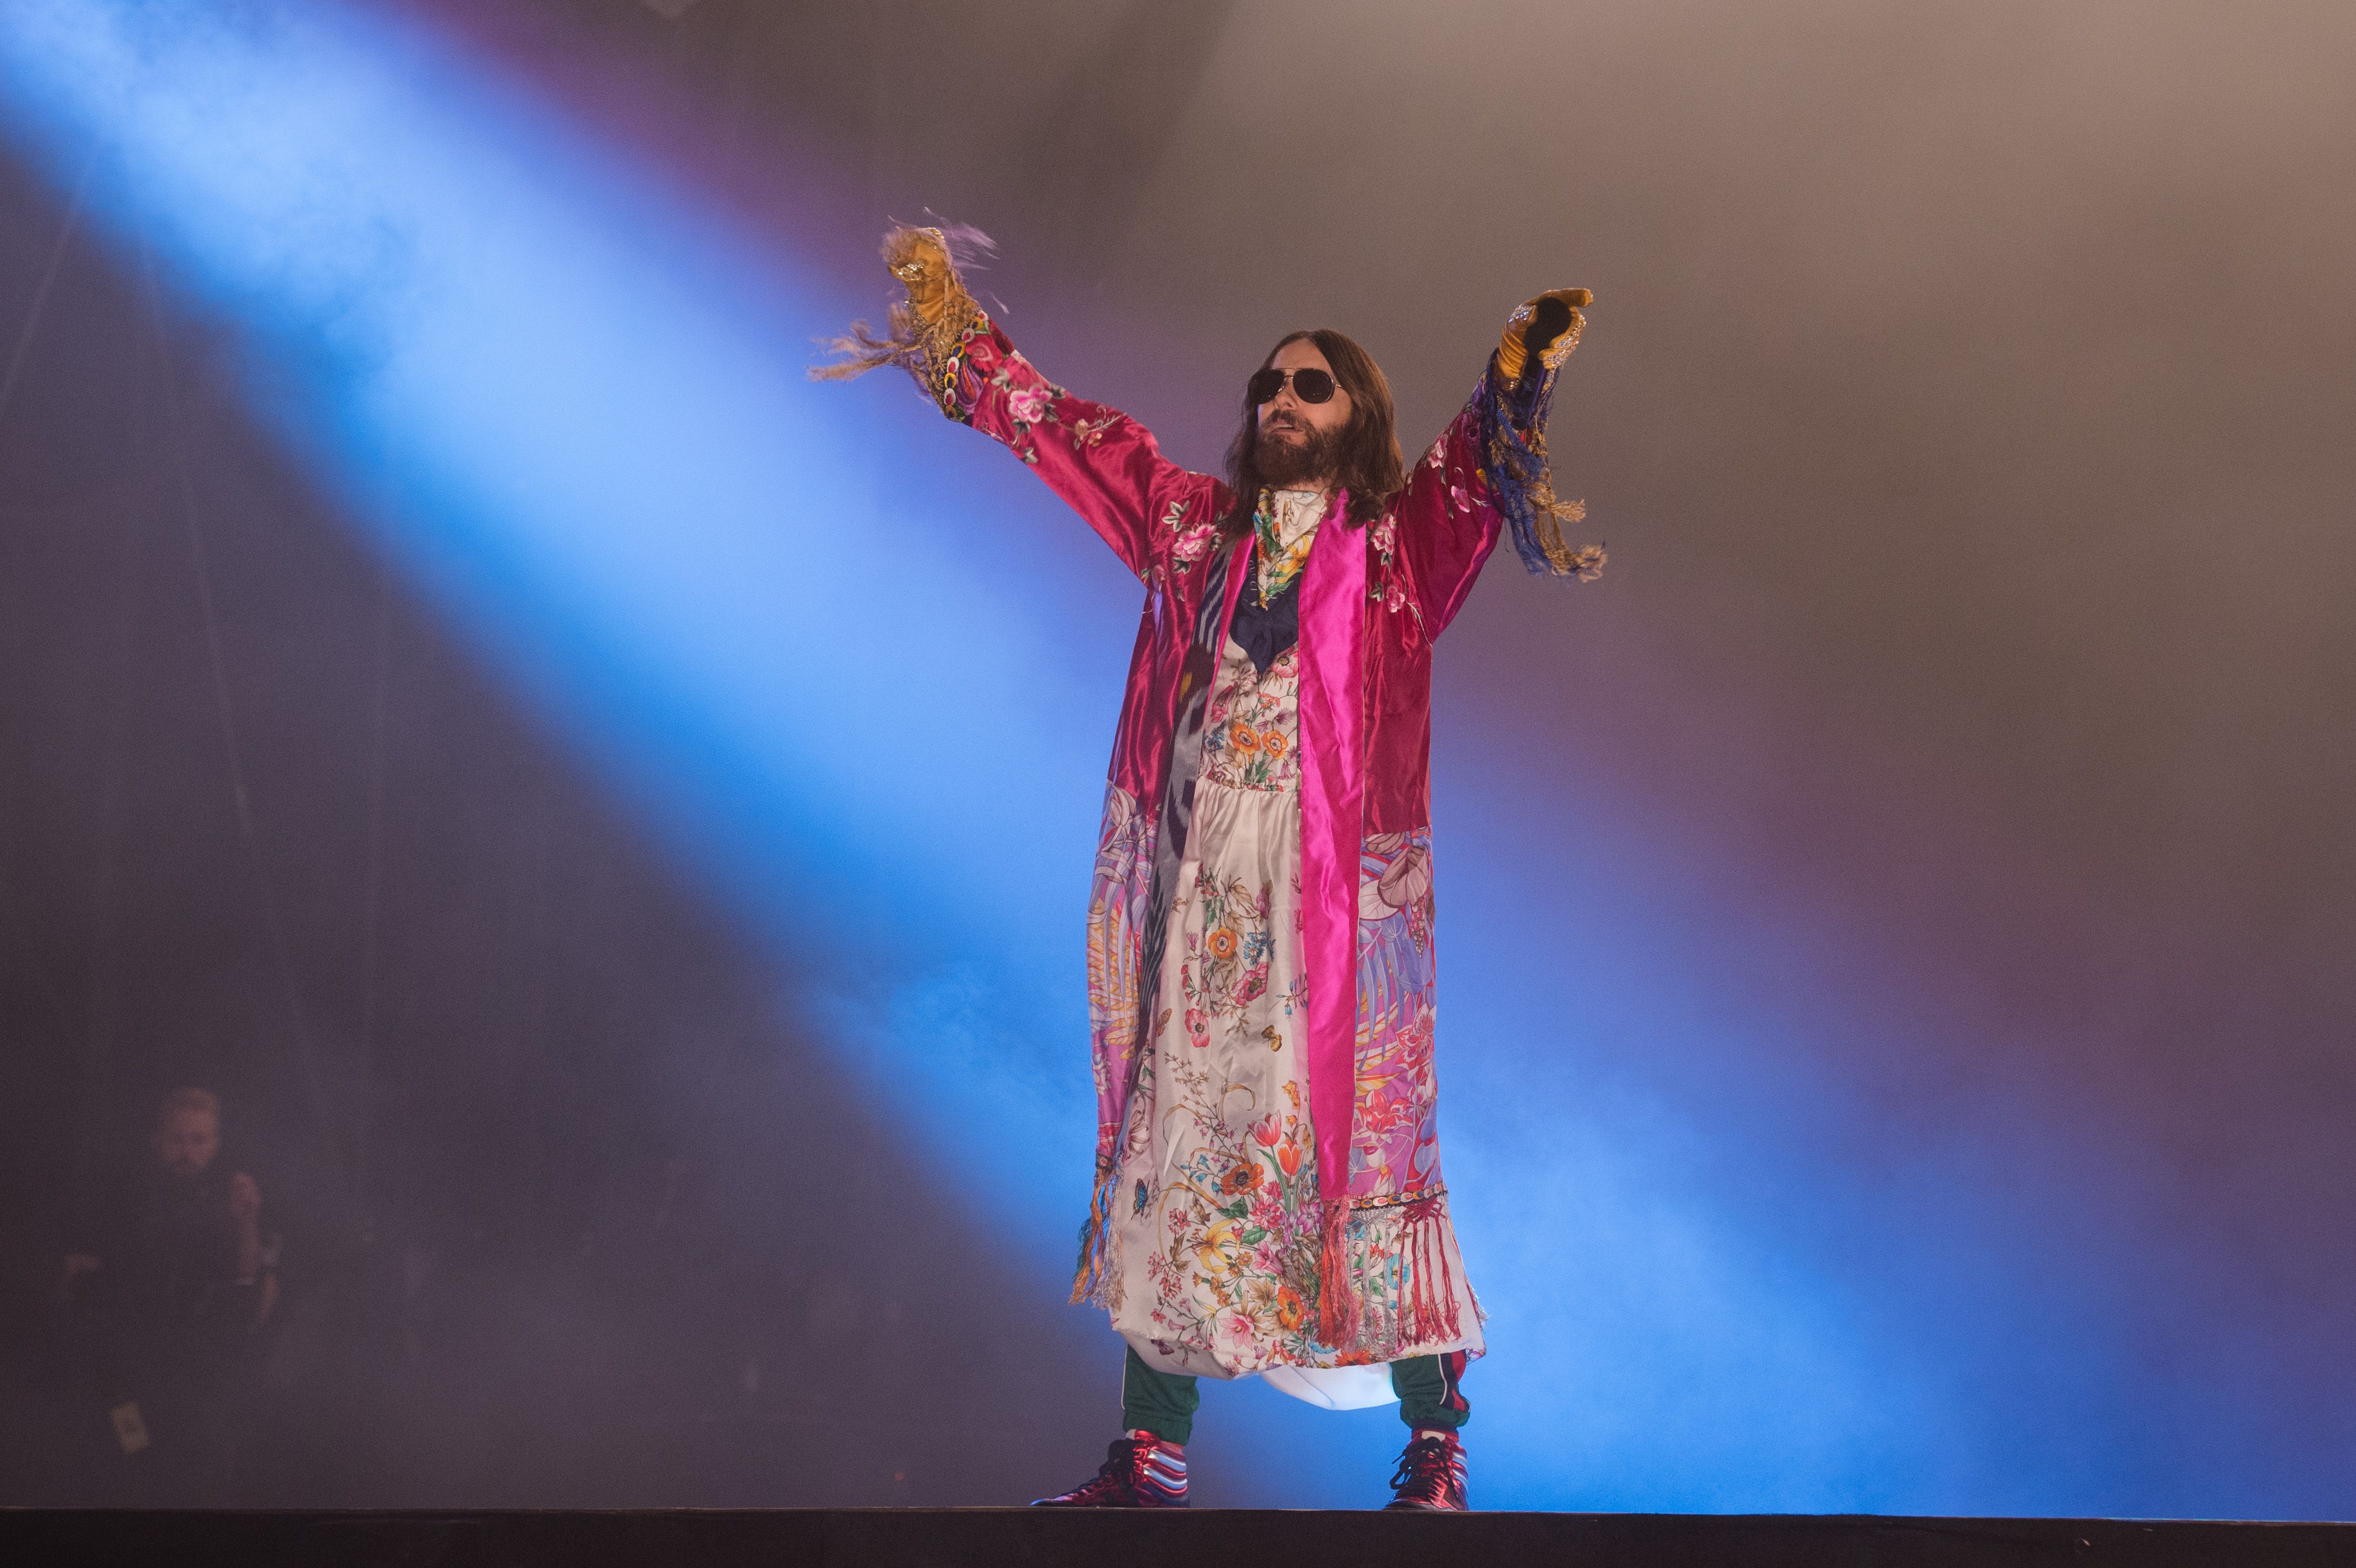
pixel 1446 522
pixel 1487 472
pixel 1154 514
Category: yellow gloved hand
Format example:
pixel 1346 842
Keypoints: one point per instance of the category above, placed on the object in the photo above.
pixel 1547 328
pixel 919 258
pixel 927 326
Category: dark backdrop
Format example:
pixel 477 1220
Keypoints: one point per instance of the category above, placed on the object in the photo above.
pixel 1966 411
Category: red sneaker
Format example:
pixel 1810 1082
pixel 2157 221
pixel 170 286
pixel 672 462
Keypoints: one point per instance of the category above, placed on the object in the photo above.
pixel 1141 1471
pixel 1430 1475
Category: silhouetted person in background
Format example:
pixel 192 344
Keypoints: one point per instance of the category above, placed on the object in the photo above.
pixel 169 1282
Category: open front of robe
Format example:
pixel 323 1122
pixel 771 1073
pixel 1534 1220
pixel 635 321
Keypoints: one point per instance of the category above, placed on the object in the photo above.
pixel 1260 968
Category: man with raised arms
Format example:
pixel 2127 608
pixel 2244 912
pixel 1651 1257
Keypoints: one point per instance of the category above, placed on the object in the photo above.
pixel 1268 1197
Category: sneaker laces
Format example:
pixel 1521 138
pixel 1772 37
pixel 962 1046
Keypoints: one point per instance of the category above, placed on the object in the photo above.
pixel 1124 1466
pixel 1426 1470
pixel 1125 1470
pixel 1126 1459
pixel 1139 1472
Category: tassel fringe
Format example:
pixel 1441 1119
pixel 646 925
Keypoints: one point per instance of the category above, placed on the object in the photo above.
pixel 1428 1312
pixel 1096 1234
pixel 1340 1317
pixel 1408 1298
pixel 1514 415
pixel 1399 1296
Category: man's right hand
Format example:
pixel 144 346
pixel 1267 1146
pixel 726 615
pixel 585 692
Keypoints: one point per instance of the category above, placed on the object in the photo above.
pixel 920 259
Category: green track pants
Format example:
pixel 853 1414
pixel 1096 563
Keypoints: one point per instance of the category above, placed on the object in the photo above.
pixel 1163 1403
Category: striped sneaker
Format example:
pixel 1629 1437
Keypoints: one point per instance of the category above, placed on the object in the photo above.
pixel 1430 1475
pixel 1141 1471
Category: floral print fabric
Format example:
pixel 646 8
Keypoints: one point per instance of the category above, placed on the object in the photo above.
pixel 1117 911
pixel 1286 521
pixel 1247 736
pixel 1395 1134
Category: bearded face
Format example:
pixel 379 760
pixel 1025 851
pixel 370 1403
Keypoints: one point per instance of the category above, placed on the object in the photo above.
pixel 1306 428
pixel 1297 443
pixel 1291 456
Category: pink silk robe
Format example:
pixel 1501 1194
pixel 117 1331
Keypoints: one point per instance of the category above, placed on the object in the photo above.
pixel 1372 600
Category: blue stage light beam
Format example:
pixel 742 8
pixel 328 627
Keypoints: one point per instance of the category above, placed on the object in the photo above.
pixel 576 412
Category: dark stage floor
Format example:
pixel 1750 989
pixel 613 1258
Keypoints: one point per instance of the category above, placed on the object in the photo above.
pixel 972 1538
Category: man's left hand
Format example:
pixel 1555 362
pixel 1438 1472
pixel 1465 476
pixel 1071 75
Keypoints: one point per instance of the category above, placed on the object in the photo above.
pixel 1542 332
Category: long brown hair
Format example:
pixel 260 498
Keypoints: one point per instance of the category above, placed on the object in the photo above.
pixel 1367 465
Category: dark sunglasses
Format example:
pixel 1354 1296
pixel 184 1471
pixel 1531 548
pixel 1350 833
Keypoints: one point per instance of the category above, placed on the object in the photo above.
pixel 1309 386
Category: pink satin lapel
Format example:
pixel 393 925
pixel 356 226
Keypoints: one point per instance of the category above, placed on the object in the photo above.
pixel 1333 790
